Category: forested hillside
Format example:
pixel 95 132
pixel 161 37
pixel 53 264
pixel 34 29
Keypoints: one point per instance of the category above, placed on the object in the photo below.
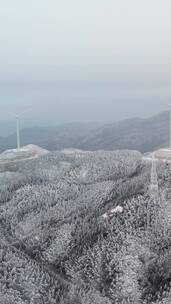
pixel 83 228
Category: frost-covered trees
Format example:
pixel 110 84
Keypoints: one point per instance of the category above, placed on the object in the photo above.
pixel 56 245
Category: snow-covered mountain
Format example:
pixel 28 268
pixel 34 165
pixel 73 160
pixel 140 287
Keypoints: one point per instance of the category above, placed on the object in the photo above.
pixel 82 227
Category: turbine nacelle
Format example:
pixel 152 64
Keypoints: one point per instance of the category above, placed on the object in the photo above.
pixel 18 115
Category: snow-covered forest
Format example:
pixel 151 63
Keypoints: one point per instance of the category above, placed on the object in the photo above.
pixel 83 228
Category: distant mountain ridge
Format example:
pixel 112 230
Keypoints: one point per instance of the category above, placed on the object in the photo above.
pixel 138 134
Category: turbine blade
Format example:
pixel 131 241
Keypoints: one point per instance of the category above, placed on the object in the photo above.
pixel 24 112
pixel 12 114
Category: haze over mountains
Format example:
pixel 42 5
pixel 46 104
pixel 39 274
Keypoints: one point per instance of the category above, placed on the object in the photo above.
pixel 137 133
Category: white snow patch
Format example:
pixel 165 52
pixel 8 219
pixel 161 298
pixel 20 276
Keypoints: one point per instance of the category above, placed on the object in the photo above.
pixel 118 209
pixel 74 152
pixel 105 216
pixel 83 172
pixel 26 152
pixel 161 155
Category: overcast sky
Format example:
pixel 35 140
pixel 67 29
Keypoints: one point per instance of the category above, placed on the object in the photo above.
pixel 74 60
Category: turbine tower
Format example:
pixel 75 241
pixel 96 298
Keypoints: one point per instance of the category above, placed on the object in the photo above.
pixel 17 117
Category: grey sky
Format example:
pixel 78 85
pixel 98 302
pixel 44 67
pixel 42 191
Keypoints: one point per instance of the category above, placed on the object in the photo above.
pixel 85 60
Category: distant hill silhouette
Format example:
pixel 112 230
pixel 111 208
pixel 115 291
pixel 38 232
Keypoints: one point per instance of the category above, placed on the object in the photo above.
pixel 136 133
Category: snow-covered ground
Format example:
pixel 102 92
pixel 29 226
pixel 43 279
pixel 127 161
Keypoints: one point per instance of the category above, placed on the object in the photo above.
pixel 26 152
pixel 161 154
pixel 74 152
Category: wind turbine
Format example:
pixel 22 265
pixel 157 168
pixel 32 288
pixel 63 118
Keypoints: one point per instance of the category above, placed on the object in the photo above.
pixel 17 117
